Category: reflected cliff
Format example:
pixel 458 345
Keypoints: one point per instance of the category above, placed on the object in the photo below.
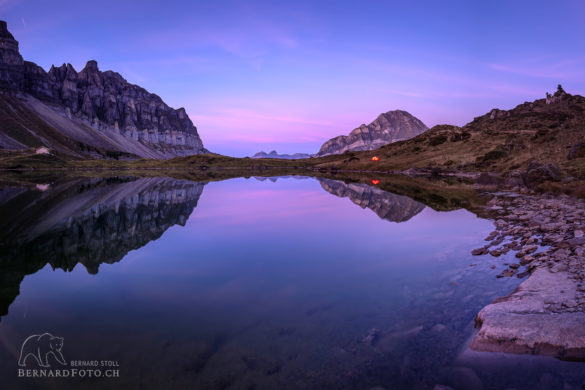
pixel 87 222
pixel 388 206
pixel 97 221
pixel 274 179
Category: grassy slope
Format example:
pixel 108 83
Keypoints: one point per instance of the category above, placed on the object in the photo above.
pixel 531 131
pixel 20 123
pixel 25 127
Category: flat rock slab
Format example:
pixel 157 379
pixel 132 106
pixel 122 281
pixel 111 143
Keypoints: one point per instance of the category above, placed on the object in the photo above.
pixel 540 317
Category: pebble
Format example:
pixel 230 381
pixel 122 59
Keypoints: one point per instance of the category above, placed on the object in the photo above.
pixel 526 260
pixel 479 251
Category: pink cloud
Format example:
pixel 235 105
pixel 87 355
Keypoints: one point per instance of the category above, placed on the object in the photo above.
pixel 248 125
pixel 243 113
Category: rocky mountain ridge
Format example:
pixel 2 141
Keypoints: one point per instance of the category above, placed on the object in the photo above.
pixel 387 128
pixel 100 110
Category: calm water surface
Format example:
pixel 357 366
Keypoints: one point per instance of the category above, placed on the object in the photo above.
pixel 253 284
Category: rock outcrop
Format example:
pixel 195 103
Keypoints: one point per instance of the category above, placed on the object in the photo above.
pixel 545 314
pixel 537 173
pixel 388 206
pixel 523 322
pixel 273 154
pixel 389 127
pixel 95 108
pixel 542 119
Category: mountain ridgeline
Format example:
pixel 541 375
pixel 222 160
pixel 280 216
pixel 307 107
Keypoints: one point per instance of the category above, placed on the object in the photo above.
pixel 389 127
pixel 274 154
pixel 86 114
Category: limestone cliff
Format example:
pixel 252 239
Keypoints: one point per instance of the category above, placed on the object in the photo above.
pixel 101 111
pixel 389 127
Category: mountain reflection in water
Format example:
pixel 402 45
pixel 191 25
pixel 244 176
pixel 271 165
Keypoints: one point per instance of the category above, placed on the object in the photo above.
pixel 392 207
pixel 99 221
pixel 87 222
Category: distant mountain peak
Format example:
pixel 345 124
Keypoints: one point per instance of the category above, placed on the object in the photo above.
pixel 274 154
pixel 388 127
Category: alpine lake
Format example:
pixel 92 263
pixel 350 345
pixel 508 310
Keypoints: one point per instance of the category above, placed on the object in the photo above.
pixel 257 283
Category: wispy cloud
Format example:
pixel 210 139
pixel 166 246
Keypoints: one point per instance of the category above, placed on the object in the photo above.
pixel 251 41
pixel 560 70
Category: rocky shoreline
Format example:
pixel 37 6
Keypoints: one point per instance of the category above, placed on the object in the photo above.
pixel 546 313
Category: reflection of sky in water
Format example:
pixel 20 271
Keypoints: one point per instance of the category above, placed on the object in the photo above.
pixel 276 284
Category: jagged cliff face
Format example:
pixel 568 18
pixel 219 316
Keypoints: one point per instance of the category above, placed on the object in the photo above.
pixel 11 62
pixel 106 101
pixel 388 206
pixel 103 110
pixel 387 128
pixel 87 222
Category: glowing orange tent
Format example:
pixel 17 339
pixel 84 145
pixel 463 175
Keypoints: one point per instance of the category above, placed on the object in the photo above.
pixel 375 158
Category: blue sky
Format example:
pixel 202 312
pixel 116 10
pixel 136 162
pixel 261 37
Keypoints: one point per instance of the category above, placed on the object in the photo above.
pixel 257 75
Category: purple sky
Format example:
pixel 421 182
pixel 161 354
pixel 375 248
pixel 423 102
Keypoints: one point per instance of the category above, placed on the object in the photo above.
pixel 288 76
